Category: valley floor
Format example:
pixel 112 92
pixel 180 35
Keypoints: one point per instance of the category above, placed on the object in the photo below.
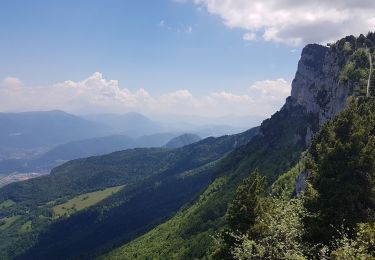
pixel 14 177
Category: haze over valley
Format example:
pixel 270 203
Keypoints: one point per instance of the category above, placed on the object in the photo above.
pixel 32 143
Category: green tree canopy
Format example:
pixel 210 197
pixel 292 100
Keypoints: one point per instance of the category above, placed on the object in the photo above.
pixel 342 183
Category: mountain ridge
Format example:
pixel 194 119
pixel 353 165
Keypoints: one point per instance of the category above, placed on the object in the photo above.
pixel 182 140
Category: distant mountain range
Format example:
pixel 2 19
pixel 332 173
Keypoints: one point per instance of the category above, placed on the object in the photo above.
pixel 38 141
pixel 91 147
pixel 182 140
pixel 45 129
pixel 31 133
pixel 102 145
pixel 32 143
pixel 131 124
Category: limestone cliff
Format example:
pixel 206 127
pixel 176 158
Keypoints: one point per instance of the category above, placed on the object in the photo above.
pixel 318 86
pixel 321 87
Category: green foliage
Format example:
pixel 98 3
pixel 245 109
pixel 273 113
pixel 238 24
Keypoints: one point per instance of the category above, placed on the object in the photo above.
pixel 179 237
pixel 347 47
pixel 342 190
pixel 361 247
pixel 261 227
pixel 356 71
pixel 26 227
pixel 285 185
pixel 241 212
pixel 7 222
pixel 280 231
pixel 349 72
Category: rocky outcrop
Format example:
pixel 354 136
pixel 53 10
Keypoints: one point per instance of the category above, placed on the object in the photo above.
pixel 300 185
pixel 317 85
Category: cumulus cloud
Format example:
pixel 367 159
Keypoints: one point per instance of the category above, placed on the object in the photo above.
pixel 96 94
pixel 270 89
pixel 295 22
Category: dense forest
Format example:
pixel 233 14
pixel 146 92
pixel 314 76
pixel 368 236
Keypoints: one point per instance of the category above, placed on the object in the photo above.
pixel 152 182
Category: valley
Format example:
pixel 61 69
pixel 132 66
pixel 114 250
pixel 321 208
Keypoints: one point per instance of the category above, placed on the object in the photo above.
pixel 15 177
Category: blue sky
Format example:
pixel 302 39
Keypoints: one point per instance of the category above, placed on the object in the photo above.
pixel 153 56
pixel 50 41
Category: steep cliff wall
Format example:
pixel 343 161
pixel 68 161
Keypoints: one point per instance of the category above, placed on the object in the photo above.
pixel 318 85
pixel 321 86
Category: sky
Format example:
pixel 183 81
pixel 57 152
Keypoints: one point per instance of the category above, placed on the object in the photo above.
pixel 209 58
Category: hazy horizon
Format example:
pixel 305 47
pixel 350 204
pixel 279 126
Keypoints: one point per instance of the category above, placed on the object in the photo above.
pixel 164 59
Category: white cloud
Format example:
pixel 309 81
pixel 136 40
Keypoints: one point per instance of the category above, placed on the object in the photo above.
pixel 249 36
pixel 270 90
pixel 296 22
pixel 96 94
pixel 12 82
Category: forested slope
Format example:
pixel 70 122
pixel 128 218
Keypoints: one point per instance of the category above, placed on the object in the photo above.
pixel 153 179
pixel 189 233
pixel 325 79
pixel 329 213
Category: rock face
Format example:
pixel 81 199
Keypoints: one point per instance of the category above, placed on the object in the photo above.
pixel 317 86
pixel 301 182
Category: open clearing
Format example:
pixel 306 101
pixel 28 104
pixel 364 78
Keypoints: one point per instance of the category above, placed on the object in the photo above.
pixel 6 222
pixel 83 201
